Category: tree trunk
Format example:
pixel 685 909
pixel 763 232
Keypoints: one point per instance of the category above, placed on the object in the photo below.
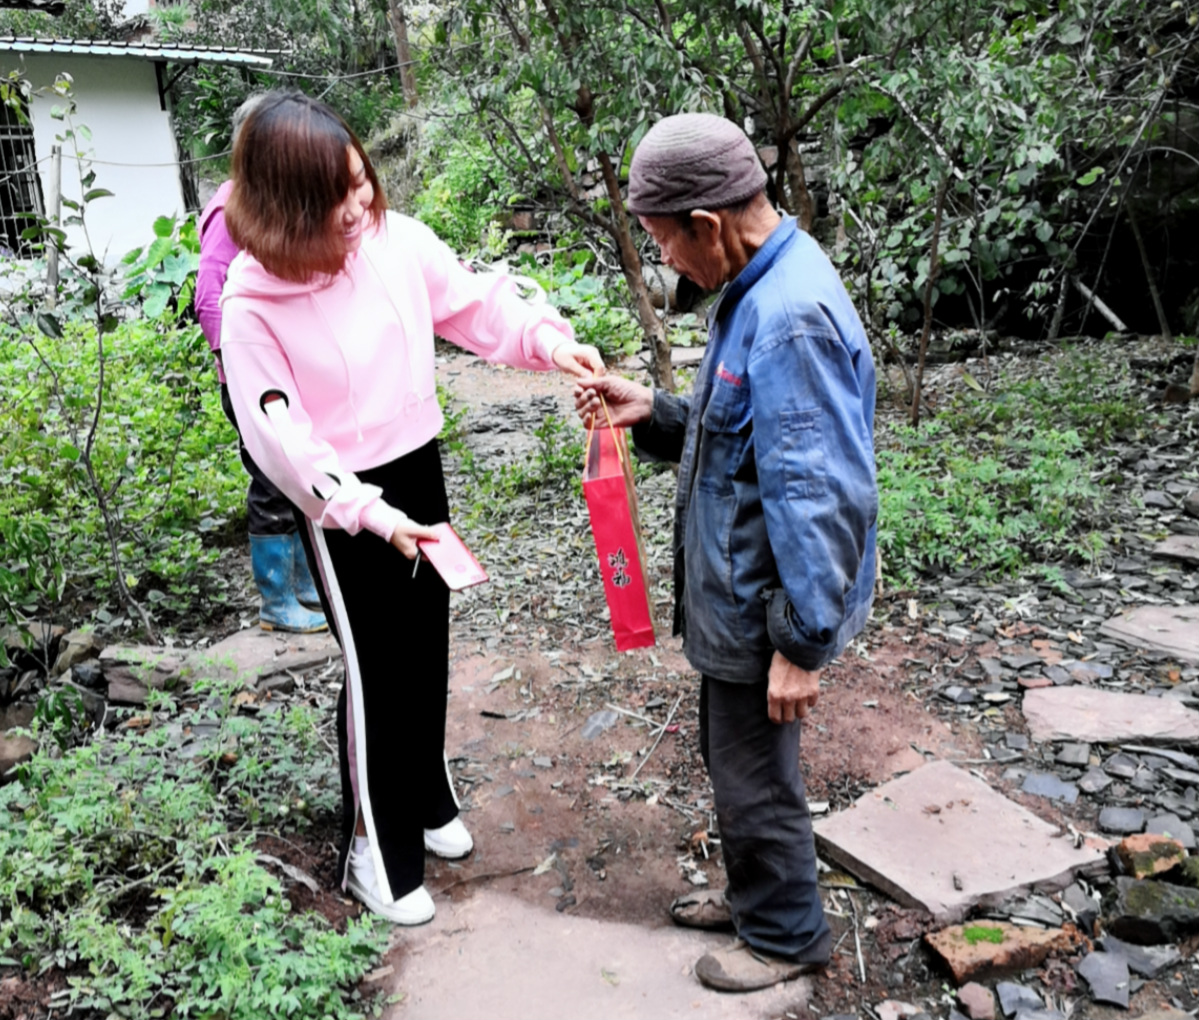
pixel 399 25
pixel 660 368
pixel 1162 322
pixel 804 207
pixel 1195 377
pixel 934 264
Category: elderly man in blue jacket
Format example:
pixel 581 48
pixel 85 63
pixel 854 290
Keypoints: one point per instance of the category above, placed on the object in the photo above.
pixel 774 539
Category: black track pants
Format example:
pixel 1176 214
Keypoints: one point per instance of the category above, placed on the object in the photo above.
pixel 394 634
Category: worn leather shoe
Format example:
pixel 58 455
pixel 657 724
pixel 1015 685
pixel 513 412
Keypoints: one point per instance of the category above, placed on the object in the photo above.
pixel 706 909
pixel 741 968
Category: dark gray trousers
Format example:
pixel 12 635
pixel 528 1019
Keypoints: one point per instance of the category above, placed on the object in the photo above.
pixel 765 828
pixel 269 512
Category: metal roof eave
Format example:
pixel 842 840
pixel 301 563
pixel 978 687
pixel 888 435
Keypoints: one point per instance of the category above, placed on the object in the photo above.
pixel 139 51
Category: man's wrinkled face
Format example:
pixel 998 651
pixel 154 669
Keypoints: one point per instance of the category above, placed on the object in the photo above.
pixel 696 254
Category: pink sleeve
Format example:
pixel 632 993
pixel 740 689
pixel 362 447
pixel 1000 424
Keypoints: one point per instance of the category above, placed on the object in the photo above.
pixel 278 434
pixel 217 250
pixel 484 312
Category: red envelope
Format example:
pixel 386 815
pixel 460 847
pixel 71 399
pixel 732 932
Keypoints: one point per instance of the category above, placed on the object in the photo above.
pixel 451 559
pixel 612 504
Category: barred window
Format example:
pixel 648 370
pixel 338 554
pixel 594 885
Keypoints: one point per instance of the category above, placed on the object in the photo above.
pixel 20 188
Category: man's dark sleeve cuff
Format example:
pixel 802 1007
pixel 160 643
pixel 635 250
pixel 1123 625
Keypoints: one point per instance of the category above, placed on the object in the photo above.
pixel 786 635
pixel 661 438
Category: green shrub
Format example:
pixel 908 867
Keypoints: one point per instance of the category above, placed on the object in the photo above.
pixel 130 866
pixel 161 451
pixel 1076 390
pixel 597 306
pixel 461 198
pixel 995 505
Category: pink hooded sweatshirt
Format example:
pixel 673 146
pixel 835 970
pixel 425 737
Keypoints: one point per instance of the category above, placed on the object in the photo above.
pixel 217 250
pixel 352 358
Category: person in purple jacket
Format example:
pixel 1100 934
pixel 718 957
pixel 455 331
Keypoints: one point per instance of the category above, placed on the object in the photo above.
pixel 277 556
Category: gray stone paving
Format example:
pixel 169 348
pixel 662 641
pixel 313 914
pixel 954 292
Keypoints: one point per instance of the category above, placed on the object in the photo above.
pixel 1108 717
pixel 943 840
pixel 1171 629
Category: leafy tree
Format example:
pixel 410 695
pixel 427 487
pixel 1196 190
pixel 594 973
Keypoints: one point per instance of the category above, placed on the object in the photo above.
pixel 562 90
pixel 81 19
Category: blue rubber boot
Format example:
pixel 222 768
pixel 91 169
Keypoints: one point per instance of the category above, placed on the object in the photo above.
pixel 274 563
pixel 302 582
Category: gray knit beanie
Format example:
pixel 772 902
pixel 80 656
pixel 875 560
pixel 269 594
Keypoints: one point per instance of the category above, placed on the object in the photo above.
pixel 693 161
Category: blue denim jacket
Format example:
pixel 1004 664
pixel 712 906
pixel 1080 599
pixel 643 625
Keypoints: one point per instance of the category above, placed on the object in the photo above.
pixel 775 513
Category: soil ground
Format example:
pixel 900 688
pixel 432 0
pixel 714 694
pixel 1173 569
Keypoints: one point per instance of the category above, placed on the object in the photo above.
pixel 583 840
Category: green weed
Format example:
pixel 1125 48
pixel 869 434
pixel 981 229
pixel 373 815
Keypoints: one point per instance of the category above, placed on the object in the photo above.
pixel 597 307
pixel 162 452
pixel 129 864
pixel 1010 500
pixel 976 933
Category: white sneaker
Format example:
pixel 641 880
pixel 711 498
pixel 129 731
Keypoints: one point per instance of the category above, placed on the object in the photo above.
pixel 450 841
pixel 415 908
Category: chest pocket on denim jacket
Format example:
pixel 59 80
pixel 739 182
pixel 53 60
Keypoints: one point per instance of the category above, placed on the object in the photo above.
pixel 803 453
pixel 727 422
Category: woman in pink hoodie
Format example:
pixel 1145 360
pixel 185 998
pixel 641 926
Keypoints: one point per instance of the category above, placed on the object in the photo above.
pixel 327 337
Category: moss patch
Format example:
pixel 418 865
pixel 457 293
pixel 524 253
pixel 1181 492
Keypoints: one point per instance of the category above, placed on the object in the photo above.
pixel 976 933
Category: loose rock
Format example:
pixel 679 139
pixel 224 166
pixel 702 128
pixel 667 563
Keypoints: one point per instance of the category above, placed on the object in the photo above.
pixel 1148 961
pixel 1123 821
pixel 1107 976
pixel 1149 854
pixel 13 751
pixel 597 722
pixel 892 1009
pixel 1013 998
pixel 1174 827
pixel 1150 913
pixel 972 953
pixel 1046 784
pixel 1074 754
pixel 1094 781
pixel 978 1001
pixel 74 648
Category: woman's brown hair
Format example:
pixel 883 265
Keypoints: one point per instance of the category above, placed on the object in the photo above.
pixel 290 173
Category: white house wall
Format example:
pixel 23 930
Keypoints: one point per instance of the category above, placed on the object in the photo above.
pixel 131 143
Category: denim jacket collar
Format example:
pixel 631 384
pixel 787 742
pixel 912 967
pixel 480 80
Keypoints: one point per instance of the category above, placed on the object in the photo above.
pixel 780 239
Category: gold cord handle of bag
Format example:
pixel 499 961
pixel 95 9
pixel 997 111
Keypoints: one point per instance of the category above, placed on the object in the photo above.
pixel 591 431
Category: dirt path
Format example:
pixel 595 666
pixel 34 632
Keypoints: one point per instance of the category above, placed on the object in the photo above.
pixel 494 955
pixel 561 909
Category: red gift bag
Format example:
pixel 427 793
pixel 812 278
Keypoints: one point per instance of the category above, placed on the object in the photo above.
pixel 612 503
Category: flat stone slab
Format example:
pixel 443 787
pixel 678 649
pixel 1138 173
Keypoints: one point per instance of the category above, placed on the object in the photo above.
pixel 495 956
pixel 1122 821
pixel 1148 961
pixel 1174 827
pixel 1047 784
pixel 1108 717
pixel 1107 975
pixel 1172 629
pixel 941 840
pixel 1179 547
pixel 254 654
